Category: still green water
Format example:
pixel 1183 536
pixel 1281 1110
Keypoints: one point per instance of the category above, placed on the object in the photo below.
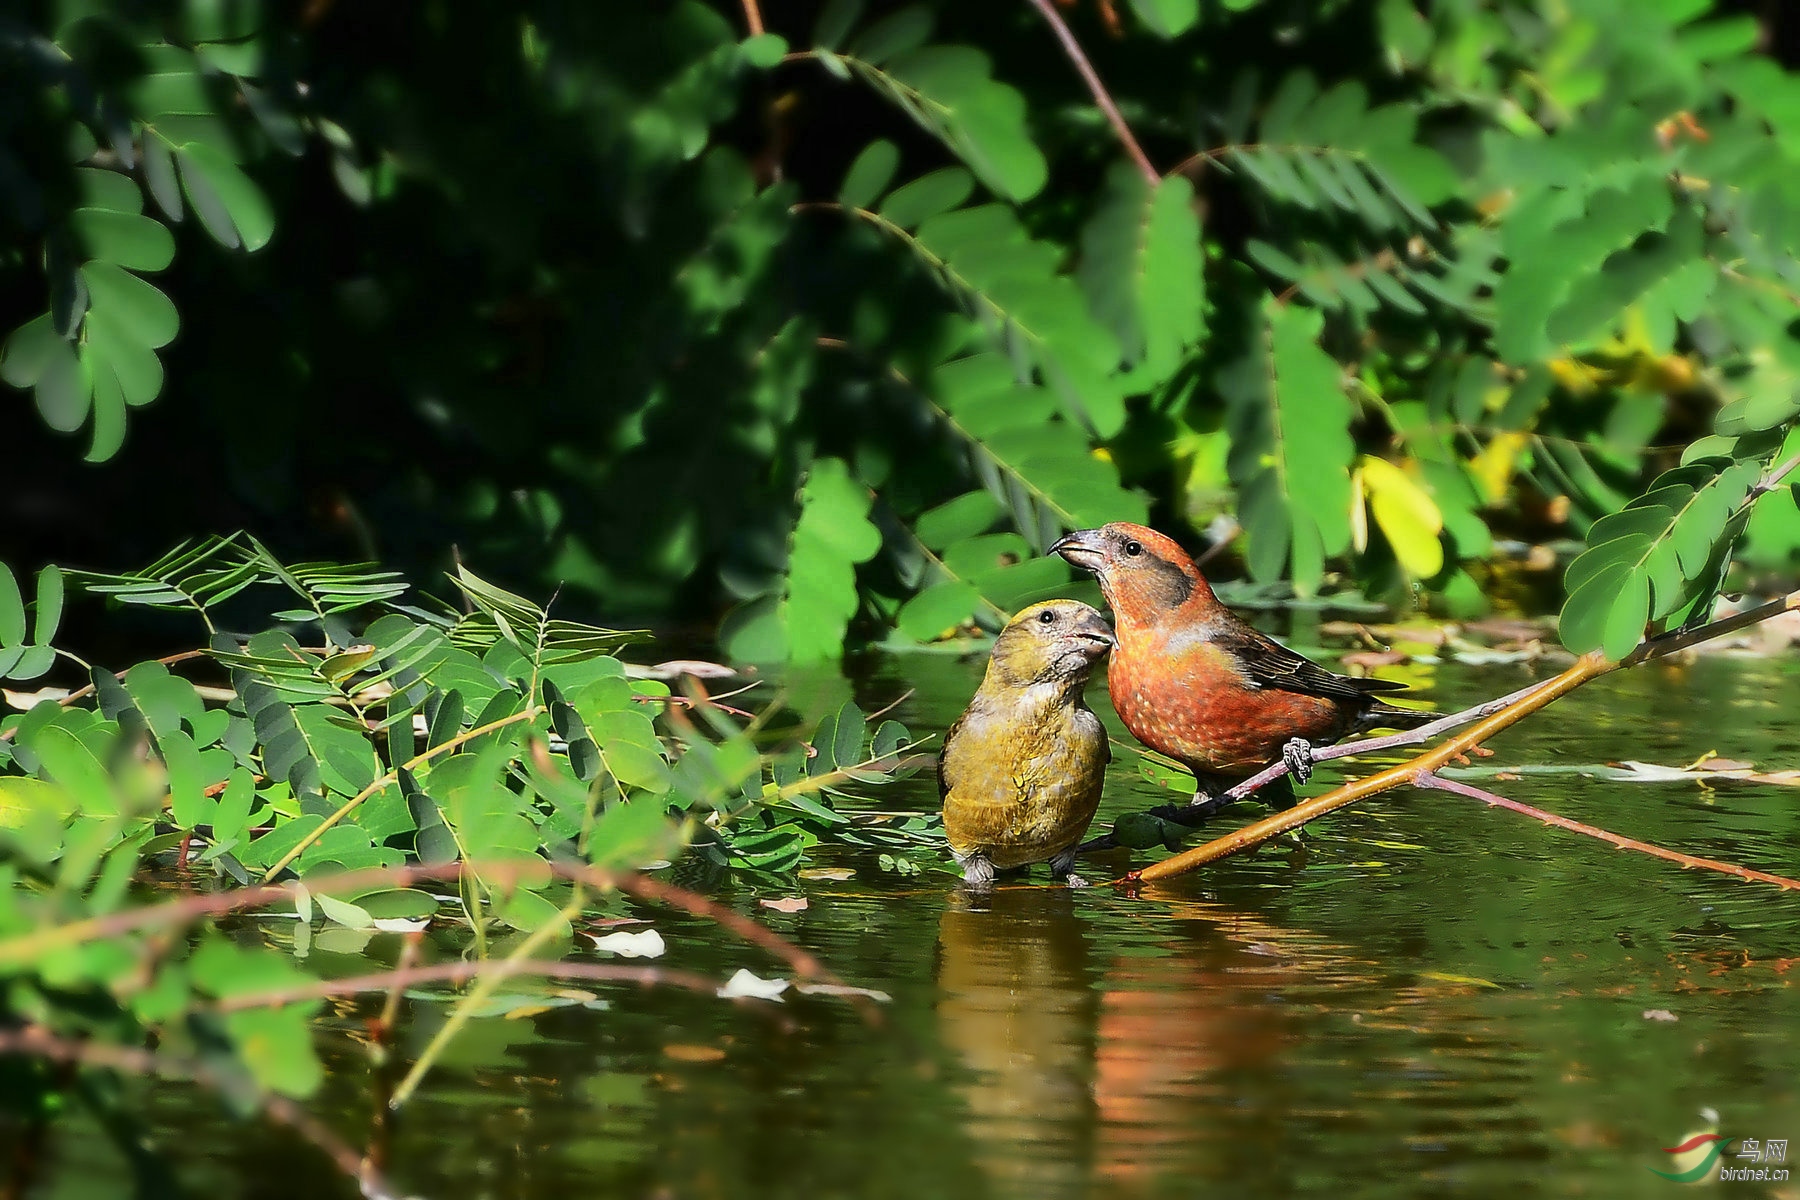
pixel 1433 998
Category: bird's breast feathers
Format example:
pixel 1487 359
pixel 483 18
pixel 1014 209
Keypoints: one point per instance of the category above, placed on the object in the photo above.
pixel 1023 780
pixel 1189 697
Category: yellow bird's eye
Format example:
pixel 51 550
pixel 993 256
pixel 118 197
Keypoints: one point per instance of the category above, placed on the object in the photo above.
pixel 1047 617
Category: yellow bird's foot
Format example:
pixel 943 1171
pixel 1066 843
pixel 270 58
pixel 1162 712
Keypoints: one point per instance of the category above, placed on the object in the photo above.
pixel 978 871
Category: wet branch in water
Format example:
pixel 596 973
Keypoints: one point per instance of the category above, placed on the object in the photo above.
pixel 462 971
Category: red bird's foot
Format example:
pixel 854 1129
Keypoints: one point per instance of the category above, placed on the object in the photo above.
pixel 1062 866
pixel 1298 755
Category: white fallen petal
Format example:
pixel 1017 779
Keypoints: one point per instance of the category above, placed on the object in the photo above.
pixel 626 943
pixel 401 924
pixel 745 984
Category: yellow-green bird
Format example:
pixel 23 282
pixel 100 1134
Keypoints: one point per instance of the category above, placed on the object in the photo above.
pixel 1021 769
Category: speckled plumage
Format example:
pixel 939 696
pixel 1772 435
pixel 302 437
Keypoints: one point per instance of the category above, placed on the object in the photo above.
pixel 1022 768
pixel 1191 680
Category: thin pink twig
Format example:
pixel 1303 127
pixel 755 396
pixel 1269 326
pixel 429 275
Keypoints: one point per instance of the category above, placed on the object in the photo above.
pixel 1426 779
pixel 462 971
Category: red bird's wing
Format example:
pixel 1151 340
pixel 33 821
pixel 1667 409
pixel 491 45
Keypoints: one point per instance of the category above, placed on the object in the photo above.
pixel 1267 662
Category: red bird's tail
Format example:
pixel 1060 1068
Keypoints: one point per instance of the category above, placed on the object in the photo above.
pixel 1382 715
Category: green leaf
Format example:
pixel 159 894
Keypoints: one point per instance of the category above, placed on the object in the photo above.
pixel 631 834
pixel 1654 557
pixel 188 801
pixel 126 239
pixel 276 1045
pixel 351 916
pixel 833 535
pixel 950 92
pixel 912 204
pixel 631 751
pixel 71 764
pixel 108 403
pixel 893 34
pixel 764 51
pixel 848 730
pixel 231 206
pixel 1039 466
pixel 1142 268
pixel 1167 18
pixel 1290 447
pixel 966 516
pixel 28 351
pixel 1607 615
pixel 869 175
pixel 12 609
pixel 1029 309
pixel 135 366
pixel 527 910
pixel 756 631
pixel 835 21
pixel 397 904
pixel 938 610
pixel 32 662
pixel 24 800
pixel 1324 150
pixel 231 816
pixel 97 187
pixel 160 178
pixel 346 760
pixel 63 392
pixel 138 310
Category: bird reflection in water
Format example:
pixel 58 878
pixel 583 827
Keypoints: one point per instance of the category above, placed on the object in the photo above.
pixel 1093 1066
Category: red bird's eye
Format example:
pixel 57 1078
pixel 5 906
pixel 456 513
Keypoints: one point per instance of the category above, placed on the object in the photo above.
pixel 1133 549
pixel 1047 617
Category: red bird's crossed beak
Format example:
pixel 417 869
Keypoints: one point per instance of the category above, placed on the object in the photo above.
pixel 1083 548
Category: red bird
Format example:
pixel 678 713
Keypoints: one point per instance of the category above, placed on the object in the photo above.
pixel 1193 681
